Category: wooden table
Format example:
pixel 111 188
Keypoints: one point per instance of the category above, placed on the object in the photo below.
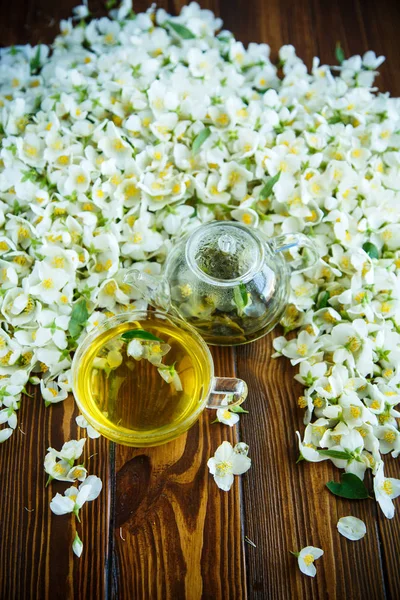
pixel 161 528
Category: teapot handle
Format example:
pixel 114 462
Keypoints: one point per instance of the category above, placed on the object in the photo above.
pixel 307 259
pixel 153 288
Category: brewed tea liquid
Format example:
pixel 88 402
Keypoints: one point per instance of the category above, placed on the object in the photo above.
pixel 133 395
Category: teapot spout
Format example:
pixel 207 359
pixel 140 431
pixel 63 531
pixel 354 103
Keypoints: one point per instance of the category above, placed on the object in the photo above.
pixel 153 288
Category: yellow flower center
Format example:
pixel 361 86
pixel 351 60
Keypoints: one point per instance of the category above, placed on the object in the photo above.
pixel 242 113
pixel 387 487
pixel 118 145
pixel 353 344
pixel 389 437
pixel 319 429
pixel 355 412
pixel 186 290
pixel 318 402
pixel 302 349
pixel 130 190
pixel 308 559
pixel 234 178
pixel 58 262
pixel 224 467
pixel 246 218
pixel 110 288
pixel 48 284
pixel 23 232
pixel 6 358
pixel 30 305
pixel 383 418
pixel 30 150
pixel 222 119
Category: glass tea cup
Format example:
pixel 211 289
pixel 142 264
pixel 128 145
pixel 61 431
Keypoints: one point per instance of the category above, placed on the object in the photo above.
pixel 143 378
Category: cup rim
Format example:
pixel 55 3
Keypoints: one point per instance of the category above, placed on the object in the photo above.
pixel 113 433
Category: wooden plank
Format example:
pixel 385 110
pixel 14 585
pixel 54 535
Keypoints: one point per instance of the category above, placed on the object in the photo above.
pixel 36 559
pixel 287 506
pixel 176 534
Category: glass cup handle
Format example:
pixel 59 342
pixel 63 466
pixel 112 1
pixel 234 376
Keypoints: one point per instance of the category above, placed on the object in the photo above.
pixel 306 260
pixel 227 391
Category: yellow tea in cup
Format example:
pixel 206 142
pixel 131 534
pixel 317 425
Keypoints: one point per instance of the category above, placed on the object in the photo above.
pixel 143 378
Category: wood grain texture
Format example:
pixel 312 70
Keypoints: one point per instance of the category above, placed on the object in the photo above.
pixel 287 506
pixel 172 538
pixel 36 560
pixel 173 534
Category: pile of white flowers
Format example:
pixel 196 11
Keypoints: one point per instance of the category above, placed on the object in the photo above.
pixel 131 131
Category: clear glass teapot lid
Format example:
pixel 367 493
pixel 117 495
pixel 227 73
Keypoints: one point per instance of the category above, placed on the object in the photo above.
pixel 224 253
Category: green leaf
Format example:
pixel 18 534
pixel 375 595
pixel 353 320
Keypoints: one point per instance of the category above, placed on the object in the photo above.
pixel 181 30
pixel 371 250
pixel 141 334
pixel 336 454
pixel 35 62
pixel 350 487
pixel 269 186
pixel 323 300
pixel 237 409
pixel 334 120
pixel 339 53
pixel 240 297
pixel 79 316
pixel 200 139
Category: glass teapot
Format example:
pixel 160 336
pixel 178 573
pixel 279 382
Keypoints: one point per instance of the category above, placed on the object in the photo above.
pixel 227 280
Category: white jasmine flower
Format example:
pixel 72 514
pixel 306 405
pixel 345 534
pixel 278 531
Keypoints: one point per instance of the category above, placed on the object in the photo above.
pixel 91 431
pixel 306 558
pixel 301 348
pixel 70 451
pixel 352 528
pixel 77 546
pixel 74 498
pixel 51 392
pixel 386 489
pixel 5 434
pixel 225 416
pixel 170 375
pixel 227 462
pixel 234 179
